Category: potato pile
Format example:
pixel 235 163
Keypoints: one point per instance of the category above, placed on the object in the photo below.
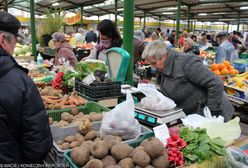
pixel 111 153
pixel 75 118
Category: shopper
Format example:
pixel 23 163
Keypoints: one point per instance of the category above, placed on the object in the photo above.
pixel 64 54
pixel 108 37
pixel 226 50
pixel 194 38
pixel 188 46
pixel 187 81
pixel 25 135
pixel 203 41
pixel 138 45
pixel 172 37
pixel 91 36
pixel 79 36
pixel 164 39
pixel 146 32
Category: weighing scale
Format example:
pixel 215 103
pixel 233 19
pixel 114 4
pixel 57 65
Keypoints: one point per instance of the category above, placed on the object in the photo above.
pixel 157 117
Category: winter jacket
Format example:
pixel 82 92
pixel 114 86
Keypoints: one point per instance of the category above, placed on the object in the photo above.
pixel 192 86
pixel 25 135
pixel 138 49
pixel 64 54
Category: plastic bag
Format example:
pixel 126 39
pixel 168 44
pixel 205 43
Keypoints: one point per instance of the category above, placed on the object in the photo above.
pixel 121 121
pixel 236 158
pixel 216 127
pixel 154 99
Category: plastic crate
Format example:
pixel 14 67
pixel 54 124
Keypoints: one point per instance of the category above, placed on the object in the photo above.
pixel 133 143
pixel 89 107
pixel 99 91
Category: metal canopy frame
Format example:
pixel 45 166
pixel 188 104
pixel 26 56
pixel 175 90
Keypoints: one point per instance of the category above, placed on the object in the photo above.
pixel 154 8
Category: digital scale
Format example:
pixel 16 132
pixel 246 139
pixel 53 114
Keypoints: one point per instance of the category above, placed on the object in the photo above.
pixel 156 117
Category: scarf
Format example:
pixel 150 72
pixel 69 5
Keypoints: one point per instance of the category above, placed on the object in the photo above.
pixel 104 44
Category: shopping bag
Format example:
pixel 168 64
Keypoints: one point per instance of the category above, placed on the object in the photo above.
pixel 121 121
pixel 154 99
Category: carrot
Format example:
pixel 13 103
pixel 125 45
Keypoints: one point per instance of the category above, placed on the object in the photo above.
pixel 68 106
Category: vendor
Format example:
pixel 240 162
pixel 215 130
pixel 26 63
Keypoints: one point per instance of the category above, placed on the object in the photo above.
pixel 64 50
pixel 226 50
pixel 109 37
pixel 187 81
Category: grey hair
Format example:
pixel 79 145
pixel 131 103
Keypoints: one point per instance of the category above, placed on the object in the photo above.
pixel 8 36
pixel 139 35
pixel 81 30
pixel 155 49
pixel 189 41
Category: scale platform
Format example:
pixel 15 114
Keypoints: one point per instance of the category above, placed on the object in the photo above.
pixel 154 118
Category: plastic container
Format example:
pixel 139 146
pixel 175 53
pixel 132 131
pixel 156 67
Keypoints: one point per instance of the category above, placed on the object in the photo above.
pixel 89 107
pixel 60 133
pixel 98 91
pixel 40 59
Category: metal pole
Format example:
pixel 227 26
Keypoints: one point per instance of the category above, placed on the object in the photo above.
pixel 145 18
pixel 178 20
pixel 116 6
pixel 223 28
pixel 128 42
pixel 33 34
pixel 159 21
pixel 140 23
pixel 227 27
pixel 98 19
pixel 238 21
pixel 5 7
pixel 188 19
pixel 191 26
pixel 81 17
pixel 194 26
pixel 202 25
pixel 209 27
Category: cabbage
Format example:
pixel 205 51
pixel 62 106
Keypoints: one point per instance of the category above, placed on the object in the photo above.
pixel 228 131
pixel 17 51
pixel 28 54
pixel 25 49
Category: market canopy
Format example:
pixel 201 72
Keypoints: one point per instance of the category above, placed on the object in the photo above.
pixel 200 10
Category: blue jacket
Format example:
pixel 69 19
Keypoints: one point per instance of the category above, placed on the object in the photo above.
pixel 225 51
pixel 25 135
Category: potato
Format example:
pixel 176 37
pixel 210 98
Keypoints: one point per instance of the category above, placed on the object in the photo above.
pixel 50 120
pixel 60 147
pixel 160 162
pixel 113 166
pixel 59 142
pixel 74 144
pixel 120 151
pixel 86 144
pixel 108 160
pixel 55 122
pixel 135 150
pixel 65 146
pixel 111 140
pixel 63 123
pixel 85 127
pixel 153 147
pixel 99 149
pixel 79 138
pixel 80 155
pixel 141 158
pixel 87 116
pixel 95 116
pixel 126 163
pixel 74 111
pixel 70 138
pixel 66 117
pixel 149 166
pixel 97 139
pixel 94 163
pixel 90 135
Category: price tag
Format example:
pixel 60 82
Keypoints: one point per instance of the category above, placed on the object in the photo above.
pixel 162 133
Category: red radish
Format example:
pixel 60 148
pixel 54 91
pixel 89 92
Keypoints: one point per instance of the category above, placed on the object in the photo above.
pixel 174 137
